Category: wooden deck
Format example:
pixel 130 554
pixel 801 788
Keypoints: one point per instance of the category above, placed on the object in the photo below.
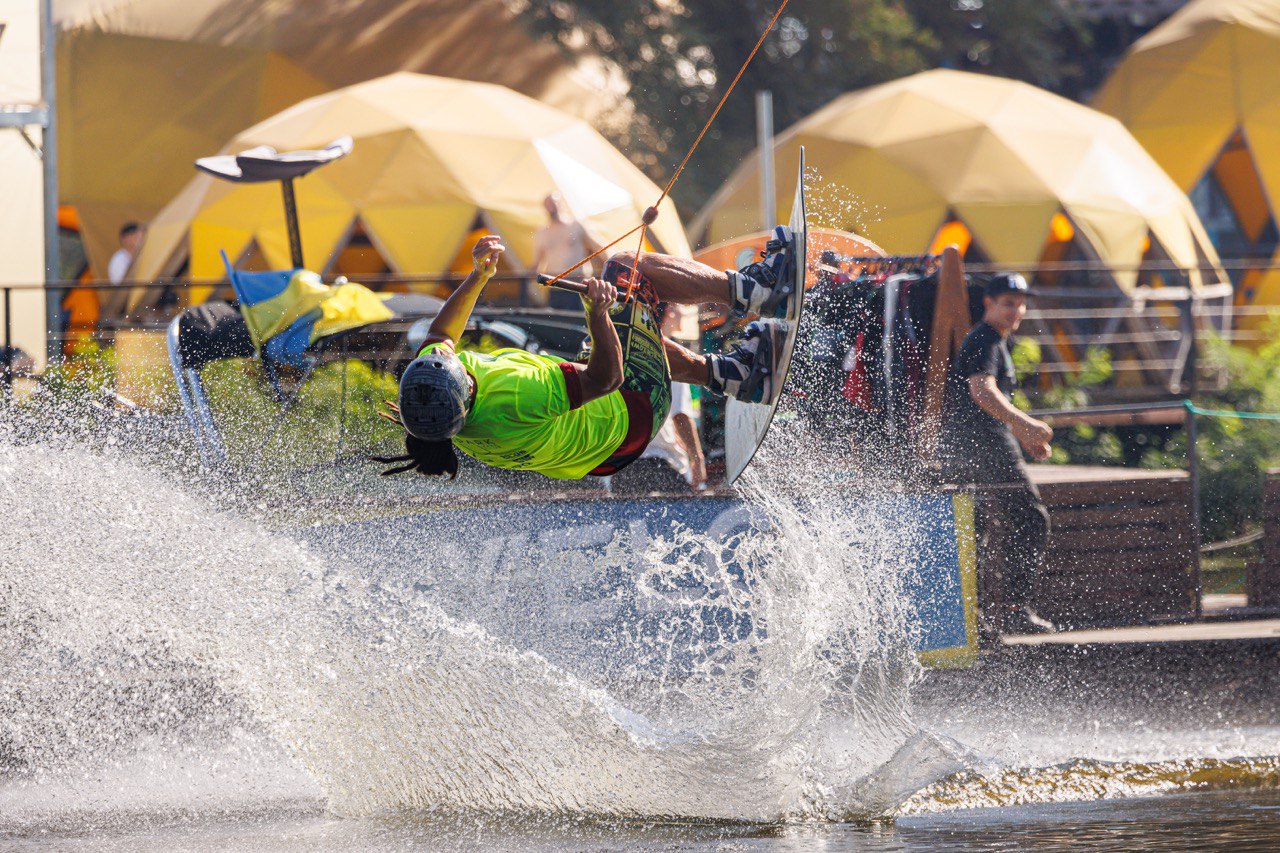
pixel 1120 547
pixel 1197 632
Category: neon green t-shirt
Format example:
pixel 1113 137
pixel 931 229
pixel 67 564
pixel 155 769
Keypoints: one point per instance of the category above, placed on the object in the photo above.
pixel 521 418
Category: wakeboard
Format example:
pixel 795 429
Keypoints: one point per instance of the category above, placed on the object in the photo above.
pixel 747 424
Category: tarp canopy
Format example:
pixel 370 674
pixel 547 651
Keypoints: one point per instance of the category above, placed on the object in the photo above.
pixel 1201 92
pixel 431 155
pixel 900 160
pixel 147 86
pixel 22 177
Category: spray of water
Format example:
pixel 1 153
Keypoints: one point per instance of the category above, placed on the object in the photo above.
pixel 831 204
pixel 142 620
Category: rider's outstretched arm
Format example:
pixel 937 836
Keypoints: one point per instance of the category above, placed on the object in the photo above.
pixel 451 322
pixel 603 373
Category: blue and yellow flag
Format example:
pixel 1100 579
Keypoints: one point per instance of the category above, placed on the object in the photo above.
pixel 287 311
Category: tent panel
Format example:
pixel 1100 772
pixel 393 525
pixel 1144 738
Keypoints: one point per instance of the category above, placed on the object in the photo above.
pixel 1255 58
pixel 20 53
pixel 905 115
pixel 420 237
pixel 322 235
pixel 994 170
pixel 906 232
pixel 404 171
pixel 1009 233
pixel 1265 289
pixel 22 244
pixel 862 186
pixel 1119 238
pixel 317 121
pixel 1262 135
pixel 208 239
pixel 1242 185
pixel 517 228
pixel 182 101
pixel 444 175
pixel 485 166
pixel 168 231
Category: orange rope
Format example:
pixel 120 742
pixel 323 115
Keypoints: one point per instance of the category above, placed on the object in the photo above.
pixel 597 253
pixel 643 227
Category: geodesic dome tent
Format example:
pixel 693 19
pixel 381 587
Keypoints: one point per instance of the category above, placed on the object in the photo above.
pixel 1017 176
pixel 147 86
pixel 422 171
pixel 1202 95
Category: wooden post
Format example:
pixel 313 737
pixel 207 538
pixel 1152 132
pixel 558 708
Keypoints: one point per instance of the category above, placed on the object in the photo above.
pixel 1193 474
pixel 950 325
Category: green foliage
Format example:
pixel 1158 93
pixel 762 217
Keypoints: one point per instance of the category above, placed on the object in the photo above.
pixel 308 434
pixel 87 372
pixel 1081 444
pixel 680 57
pixel 1234 453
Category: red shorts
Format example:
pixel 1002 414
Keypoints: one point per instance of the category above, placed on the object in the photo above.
pixel 646 387
pixel 639 423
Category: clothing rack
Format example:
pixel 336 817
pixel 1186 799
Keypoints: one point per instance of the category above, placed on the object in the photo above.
pixel 858 276
pixel 834 262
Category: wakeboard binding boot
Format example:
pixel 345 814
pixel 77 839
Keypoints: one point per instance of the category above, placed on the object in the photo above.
pixel 765 286
pixel 746 371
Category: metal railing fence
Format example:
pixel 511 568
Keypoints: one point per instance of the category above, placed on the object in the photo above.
pixel 1150 331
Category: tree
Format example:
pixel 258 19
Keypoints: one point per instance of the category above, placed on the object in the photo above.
pixel 1034 41
pixel 680 57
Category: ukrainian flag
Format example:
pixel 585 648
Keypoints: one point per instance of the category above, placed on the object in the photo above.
pixel 289 311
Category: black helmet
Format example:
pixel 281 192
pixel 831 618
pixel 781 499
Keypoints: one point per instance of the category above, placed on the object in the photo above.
pixel 434 393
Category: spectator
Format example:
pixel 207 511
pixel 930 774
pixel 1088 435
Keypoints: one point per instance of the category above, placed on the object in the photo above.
pixel 121 262
pixel 983 438
pixel 562 241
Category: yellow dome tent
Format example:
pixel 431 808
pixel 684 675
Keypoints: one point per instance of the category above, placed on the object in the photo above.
pixel 147 86
pixel 1018 167
pixel 1202 94
pixel 431 155
pixel 1015 175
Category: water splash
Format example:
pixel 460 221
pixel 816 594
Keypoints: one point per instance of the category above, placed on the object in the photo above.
pixel 143 621
pixel 831 204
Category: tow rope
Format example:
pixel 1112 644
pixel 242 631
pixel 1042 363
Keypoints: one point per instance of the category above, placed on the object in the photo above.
pixel 651 213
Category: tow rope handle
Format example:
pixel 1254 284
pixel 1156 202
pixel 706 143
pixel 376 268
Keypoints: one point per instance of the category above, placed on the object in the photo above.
pixel 574 286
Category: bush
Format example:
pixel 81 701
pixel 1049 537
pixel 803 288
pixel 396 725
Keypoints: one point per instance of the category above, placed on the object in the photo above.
pixel 1233 452
pixel 1081 444
pixel 313 431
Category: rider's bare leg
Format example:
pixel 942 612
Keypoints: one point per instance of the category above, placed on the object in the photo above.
pixel 686 366
pixel 681 280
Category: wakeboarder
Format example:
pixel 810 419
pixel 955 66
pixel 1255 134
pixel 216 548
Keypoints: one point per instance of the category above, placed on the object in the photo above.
pixel 518 410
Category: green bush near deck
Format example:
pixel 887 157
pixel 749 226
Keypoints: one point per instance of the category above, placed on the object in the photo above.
pixel 309 433
pixel 1233 452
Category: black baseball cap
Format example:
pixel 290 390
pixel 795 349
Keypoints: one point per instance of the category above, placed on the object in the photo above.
pixel 1007 282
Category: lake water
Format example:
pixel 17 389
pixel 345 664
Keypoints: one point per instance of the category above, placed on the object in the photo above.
pixel 176 675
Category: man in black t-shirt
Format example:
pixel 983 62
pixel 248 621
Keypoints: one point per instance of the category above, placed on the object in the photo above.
pixel 983 437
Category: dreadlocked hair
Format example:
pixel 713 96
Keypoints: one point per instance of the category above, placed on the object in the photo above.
pixel 432 458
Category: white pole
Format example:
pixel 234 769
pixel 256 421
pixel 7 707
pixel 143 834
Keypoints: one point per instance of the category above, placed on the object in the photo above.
pixel 49 157
pixel 764 144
